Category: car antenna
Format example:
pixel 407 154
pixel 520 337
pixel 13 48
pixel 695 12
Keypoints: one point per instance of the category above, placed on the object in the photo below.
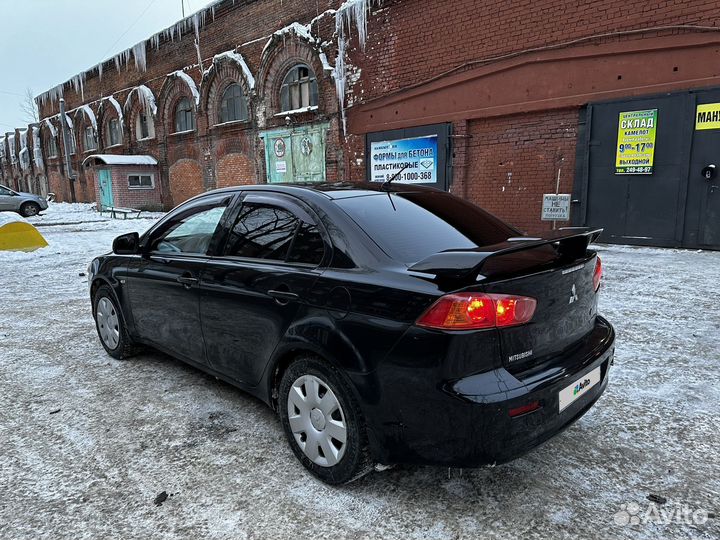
pixel 386 183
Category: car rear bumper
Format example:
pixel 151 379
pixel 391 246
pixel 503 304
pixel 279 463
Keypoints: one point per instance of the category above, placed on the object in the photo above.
pixel 466 422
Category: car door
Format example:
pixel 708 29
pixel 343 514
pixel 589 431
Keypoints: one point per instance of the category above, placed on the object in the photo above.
pixel 252 292
pixel 163 283
pixel 7 199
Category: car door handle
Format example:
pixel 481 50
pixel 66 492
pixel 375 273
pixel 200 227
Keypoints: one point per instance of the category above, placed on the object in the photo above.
pixel 283 297
pixel 187 281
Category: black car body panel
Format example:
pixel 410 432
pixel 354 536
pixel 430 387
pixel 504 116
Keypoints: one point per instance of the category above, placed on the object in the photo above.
pixel 427 396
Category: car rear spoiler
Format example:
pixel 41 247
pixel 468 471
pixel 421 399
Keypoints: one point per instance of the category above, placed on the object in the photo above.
pixel 569 241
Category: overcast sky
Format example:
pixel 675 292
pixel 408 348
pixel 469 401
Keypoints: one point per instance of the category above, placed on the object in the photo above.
pixel 46 42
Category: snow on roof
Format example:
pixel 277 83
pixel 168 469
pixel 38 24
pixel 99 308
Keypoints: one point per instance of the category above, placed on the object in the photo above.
pixel 300 30
pixel 239 60
pixel 190 83
pixel 146 97
pixel 51 126
pixel 89 114
pixel 114 159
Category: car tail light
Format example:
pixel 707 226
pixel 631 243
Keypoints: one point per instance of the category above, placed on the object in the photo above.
pixel 474 311
pixel 597 275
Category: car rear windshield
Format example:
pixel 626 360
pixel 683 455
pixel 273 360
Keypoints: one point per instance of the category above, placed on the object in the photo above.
pixel 412 226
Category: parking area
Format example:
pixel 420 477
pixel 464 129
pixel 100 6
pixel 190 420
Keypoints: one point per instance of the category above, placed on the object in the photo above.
pixel 88 443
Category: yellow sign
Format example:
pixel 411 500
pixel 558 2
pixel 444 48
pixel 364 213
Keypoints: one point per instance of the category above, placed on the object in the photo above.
pixel 708 116
pixel 636 142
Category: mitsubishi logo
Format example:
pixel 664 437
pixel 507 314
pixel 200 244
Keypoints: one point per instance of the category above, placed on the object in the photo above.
pixel 573 295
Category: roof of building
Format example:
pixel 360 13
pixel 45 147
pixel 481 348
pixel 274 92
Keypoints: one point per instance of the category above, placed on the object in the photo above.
pixel 115 159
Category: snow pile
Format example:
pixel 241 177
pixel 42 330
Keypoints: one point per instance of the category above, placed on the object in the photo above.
pixel 190 84
pixel 146 97
pixel 238 59
pixel 10 217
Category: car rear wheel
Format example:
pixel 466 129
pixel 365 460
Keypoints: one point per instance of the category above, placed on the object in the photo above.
pixel 110 325
pixel 322 422
pixel 29 209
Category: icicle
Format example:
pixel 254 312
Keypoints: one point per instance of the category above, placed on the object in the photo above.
pixel 146 98
pixel 351 11
pixel 51 127
pixel 37 149
pixel 78 84
pixel 140 56
pixel 89 114
pixel 100 70
pixel 11 148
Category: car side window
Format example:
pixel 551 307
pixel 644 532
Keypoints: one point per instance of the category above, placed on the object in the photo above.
pixel 308 247
pixel 191 232
pixel 5 191
pixel 264 231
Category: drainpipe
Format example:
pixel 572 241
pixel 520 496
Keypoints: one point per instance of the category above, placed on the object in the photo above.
pixel 67 146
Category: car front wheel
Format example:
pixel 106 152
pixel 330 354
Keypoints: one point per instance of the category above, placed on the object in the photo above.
pixel 110 325
pixel 322 421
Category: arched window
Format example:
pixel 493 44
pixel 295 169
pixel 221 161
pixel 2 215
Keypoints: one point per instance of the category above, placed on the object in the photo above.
pixel 89 141
pixel 112 132
pixel 52 147
pixel 232 105
pixel 299 89
pixel 184 116
pixel 144 127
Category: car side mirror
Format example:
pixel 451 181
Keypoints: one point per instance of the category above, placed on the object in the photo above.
pixel 126 244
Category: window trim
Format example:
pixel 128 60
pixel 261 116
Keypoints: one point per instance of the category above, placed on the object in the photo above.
pixel 289 204
pixel 138 174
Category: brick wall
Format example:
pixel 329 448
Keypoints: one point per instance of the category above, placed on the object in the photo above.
pixel 513 160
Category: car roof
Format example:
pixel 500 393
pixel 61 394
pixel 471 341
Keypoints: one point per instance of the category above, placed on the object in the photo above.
pixel 332 190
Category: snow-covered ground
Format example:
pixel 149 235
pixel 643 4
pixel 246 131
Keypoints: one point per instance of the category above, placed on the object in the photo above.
pixel 87 442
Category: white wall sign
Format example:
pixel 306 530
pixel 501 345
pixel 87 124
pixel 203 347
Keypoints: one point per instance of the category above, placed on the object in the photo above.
pixel 556 207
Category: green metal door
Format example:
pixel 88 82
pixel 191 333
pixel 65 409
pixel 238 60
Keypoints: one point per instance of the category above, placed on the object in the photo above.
pixel 296 154
pixel 105 187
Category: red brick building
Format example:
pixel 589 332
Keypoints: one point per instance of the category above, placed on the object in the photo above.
pixel 514 99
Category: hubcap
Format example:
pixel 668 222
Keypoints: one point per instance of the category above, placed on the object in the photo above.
pixel 317 421
pixel 108 323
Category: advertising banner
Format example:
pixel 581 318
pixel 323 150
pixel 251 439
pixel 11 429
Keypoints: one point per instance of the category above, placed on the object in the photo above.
pixel 707 116
pixel 419 155
pixel 636 142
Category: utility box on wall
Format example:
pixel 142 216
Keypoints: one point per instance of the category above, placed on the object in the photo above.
pixel 417 155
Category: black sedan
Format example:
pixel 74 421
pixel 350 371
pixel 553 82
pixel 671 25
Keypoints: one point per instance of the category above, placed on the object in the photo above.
pixel 385 324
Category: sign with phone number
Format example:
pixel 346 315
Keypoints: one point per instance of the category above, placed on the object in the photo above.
pixel 416 158
pixel 636 142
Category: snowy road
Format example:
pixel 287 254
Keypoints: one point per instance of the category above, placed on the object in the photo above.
pixel 87 442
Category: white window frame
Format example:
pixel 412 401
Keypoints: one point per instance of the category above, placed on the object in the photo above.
pixel 152 180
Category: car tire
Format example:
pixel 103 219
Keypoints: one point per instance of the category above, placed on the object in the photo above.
pixel 29 209
pixel 110 325
pixel 307 421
